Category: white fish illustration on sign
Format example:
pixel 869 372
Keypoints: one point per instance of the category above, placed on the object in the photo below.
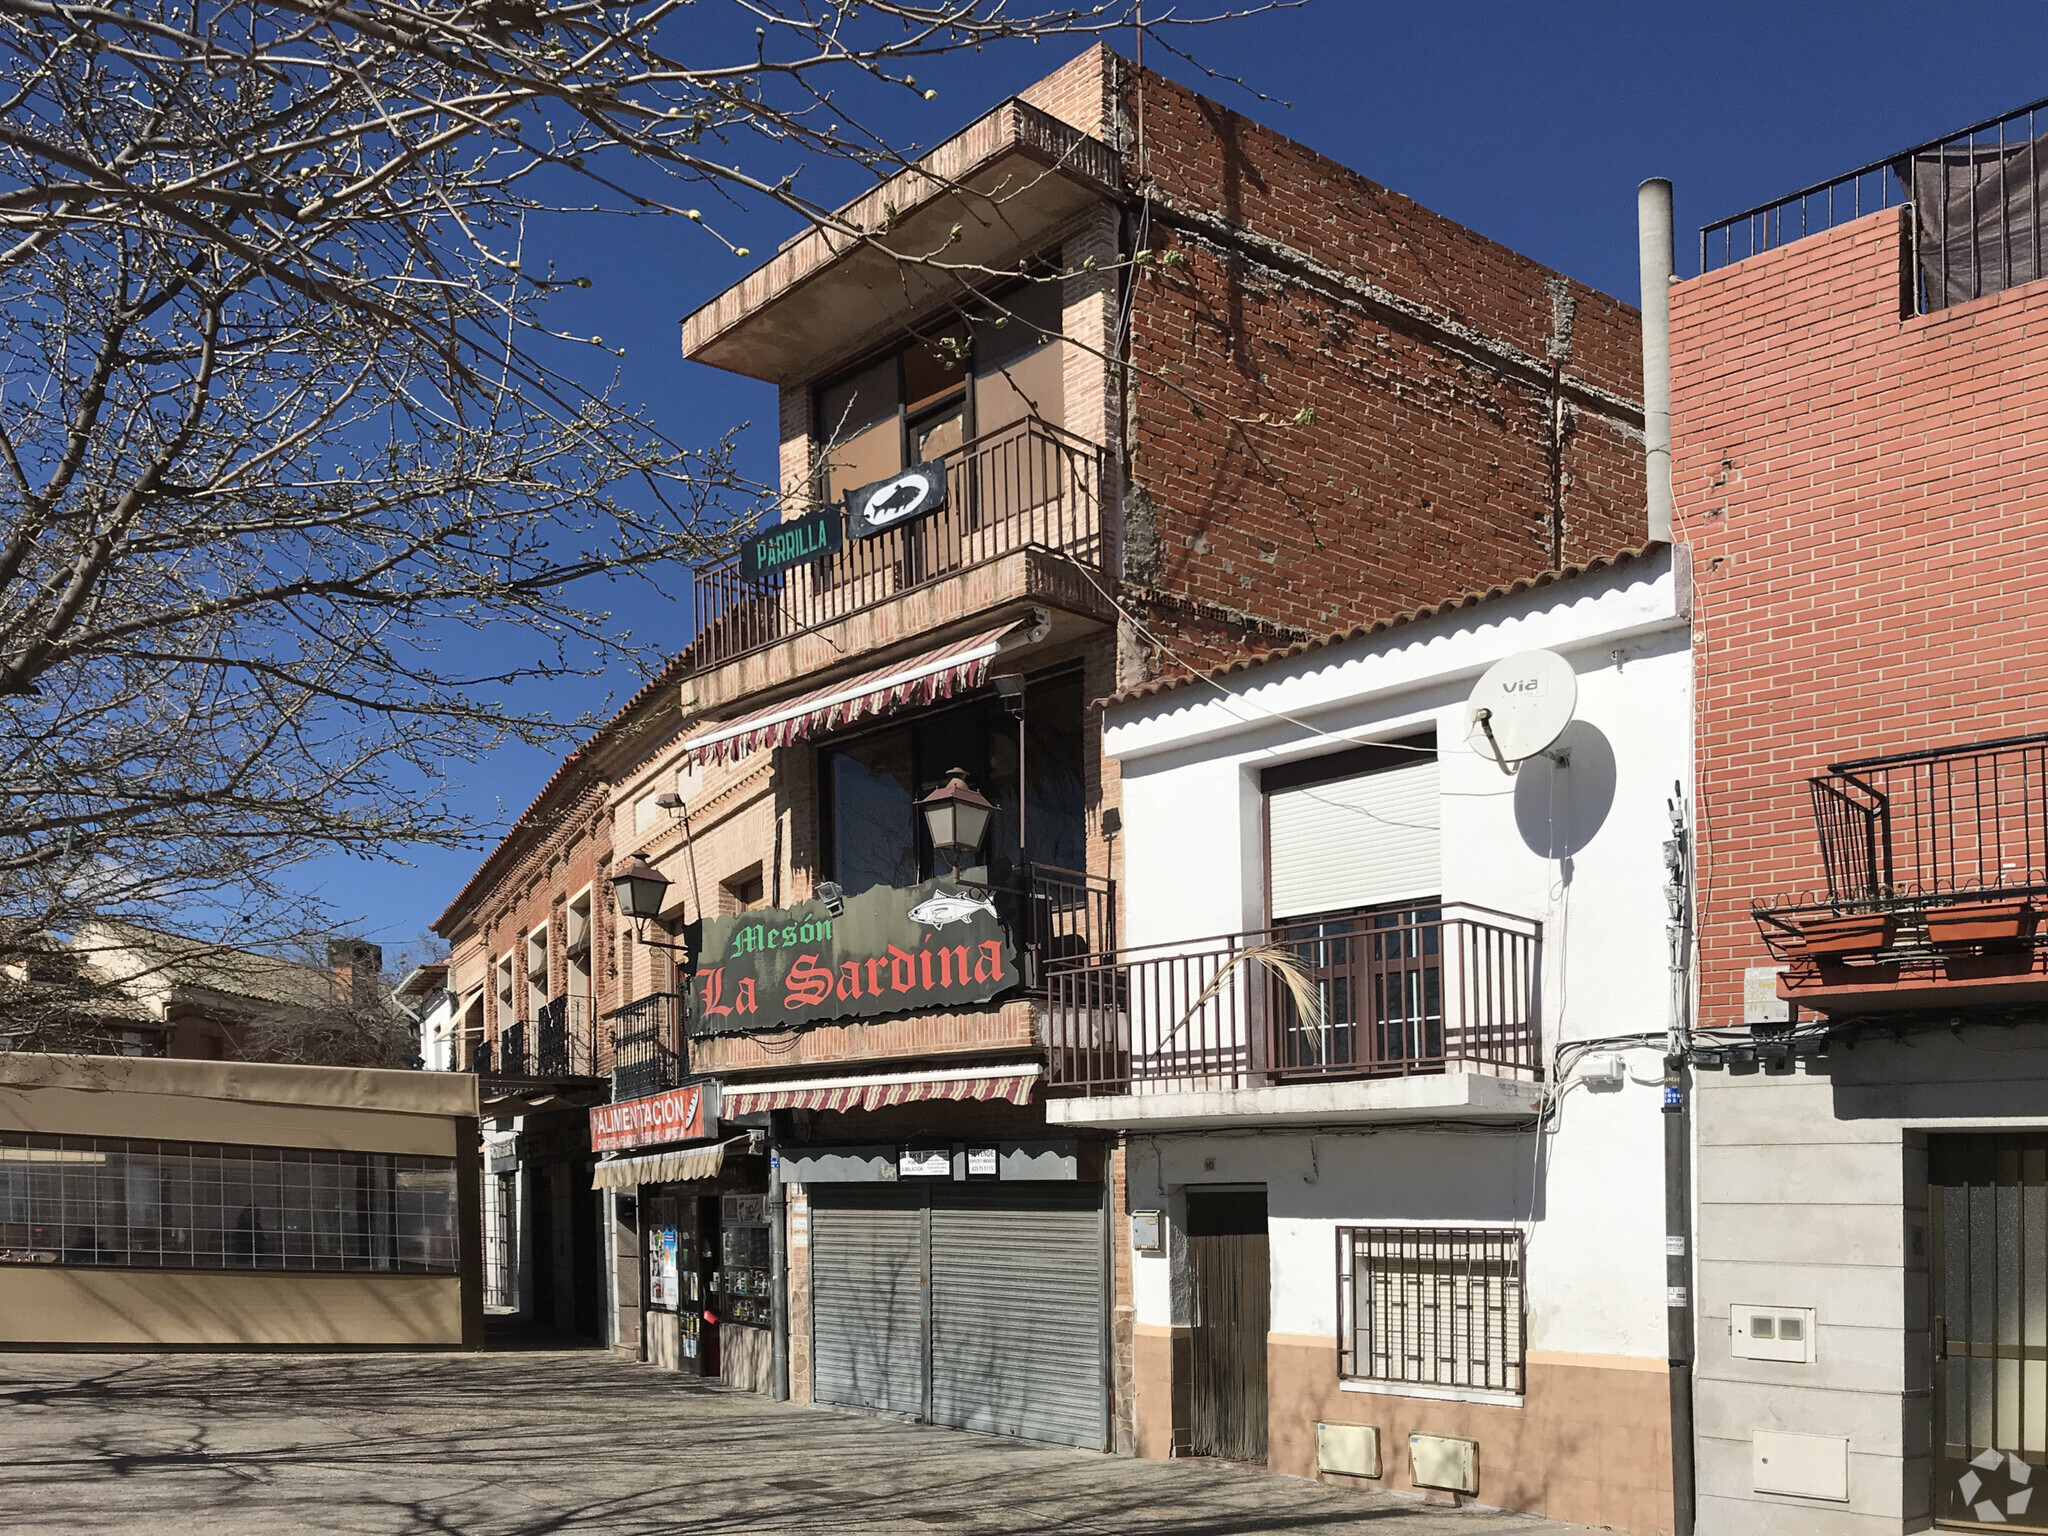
pixel 943 907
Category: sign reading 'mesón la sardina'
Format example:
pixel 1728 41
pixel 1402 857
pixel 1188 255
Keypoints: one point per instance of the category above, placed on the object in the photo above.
pixel 939 944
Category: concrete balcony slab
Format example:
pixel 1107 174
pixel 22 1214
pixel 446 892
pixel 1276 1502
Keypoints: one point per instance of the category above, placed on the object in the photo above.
pixel 1354 1101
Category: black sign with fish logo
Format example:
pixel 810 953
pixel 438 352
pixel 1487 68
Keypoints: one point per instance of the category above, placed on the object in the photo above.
pixel 903 498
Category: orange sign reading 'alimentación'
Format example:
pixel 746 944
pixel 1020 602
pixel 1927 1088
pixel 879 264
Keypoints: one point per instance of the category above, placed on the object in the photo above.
pixel 680 1114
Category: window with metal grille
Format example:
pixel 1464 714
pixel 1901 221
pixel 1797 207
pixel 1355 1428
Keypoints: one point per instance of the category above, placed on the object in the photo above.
pixel 1431 1306
pixel 110 1200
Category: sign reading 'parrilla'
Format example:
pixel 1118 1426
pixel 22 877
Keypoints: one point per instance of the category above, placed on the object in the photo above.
pixel 790 544
pixel 890 951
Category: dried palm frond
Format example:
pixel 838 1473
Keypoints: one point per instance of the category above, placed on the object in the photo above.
pixel 1277 958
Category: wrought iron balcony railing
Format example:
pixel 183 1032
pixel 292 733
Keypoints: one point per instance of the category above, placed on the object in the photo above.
pixel 1375 993
pixel 648 1051
pixel 512 1049
pixel 1027 485
pixel 565 1045
pixel 1924 851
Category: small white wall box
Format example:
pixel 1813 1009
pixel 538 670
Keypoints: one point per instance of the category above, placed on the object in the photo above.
pixel 1146 1232
pixel 1760 1001
pixel 1352 1450
pixel 1805 1466
pixel 1604 1072
pixel 1444 1461
pixel 1771 1333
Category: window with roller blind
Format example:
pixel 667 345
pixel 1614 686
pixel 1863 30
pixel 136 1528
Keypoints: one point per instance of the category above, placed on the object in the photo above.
pixel 1354 886
pixel 1353 830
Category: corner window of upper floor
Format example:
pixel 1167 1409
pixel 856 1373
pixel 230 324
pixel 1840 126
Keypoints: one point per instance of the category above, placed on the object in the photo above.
pixel 954 383
pixel 869 785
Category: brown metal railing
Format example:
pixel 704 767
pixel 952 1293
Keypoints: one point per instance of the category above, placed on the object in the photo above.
pixel 1395 992
pixel 1027 485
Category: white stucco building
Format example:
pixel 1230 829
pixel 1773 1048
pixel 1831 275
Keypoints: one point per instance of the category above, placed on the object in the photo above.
pixel 1411 1199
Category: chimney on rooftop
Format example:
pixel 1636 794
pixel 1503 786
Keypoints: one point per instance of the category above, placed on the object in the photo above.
pixel 356 963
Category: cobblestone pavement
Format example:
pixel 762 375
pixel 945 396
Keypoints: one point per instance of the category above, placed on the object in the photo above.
pixel 547 1442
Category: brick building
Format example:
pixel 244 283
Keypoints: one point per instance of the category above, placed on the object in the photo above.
pixel 1192 393
pixel 1858 482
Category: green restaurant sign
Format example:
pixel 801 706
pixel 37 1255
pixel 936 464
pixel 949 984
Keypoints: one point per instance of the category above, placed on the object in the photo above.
pixel 939 944
pixel 787 545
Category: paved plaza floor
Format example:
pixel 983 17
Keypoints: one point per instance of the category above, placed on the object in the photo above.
pixel 576 1441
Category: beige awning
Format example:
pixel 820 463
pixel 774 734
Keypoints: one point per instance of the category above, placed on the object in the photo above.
pixel 663 1167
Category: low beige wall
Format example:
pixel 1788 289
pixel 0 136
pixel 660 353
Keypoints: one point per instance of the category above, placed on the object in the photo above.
pixel 50 1304
pixel 1590 1442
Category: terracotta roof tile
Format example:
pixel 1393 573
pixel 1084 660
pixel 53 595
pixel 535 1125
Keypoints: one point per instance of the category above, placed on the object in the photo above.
pixel 1158 685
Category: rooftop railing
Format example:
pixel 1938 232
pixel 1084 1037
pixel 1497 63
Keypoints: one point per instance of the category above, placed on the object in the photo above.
pixel 1979 199
pixel 1379 993
pixel 1027 485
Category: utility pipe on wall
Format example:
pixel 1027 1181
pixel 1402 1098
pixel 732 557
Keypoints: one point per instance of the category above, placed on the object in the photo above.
pixel 1653 239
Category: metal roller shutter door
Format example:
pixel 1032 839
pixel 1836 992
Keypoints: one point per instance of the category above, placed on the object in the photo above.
pixel 1017 1317
pixel 867 1305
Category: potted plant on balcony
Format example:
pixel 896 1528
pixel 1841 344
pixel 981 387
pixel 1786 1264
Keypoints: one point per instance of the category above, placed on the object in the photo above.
pixel 1982 921
pixel 1846 933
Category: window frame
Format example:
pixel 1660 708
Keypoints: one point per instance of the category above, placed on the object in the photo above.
pixel 1443 1375
pixel 1041 270
pixel 988 704
pixel 208 1168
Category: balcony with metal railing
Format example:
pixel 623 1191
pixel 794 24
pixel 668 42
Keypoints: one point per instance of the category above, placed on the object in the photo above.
pixel 1936 867
pixel 648 1052
pixel 1977 201
pixel 1027 487
pixel 565 1044
pixel 1264 1023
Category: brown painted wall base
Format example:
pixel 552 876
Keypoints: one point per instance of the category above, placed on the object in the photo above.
pixel 1591 1441
pixel 1159 1363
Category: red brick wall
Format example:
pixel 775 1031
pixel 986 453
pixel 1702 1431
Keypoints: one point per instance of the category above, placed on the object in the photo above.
pixel 1435 361
pixel 1866 507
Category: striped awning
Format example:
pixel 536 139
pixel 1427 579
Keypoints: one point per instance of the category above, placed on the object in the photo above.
pixel 1011 1084
pixel 937 674
pixel 662 1167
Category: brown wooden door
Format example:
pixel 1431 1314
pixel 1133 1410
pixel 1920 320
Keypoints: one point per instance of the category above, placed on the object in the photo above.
pixel 1230 1308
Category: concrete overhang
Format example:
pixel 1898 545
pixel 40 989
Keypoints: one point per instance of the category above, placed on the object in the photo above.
pixel 1009 183
pixel 1353 1101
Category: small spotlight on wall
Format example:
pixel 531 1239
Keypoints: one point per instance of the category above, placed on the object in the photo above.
pixel 834 898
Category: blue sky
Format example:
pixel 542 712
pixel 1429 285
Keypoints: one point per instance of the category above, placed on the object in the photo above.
pixel 1531 123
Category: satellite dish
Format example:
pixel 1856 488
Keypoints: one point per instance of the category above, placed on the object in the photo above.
pixel 1520 707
